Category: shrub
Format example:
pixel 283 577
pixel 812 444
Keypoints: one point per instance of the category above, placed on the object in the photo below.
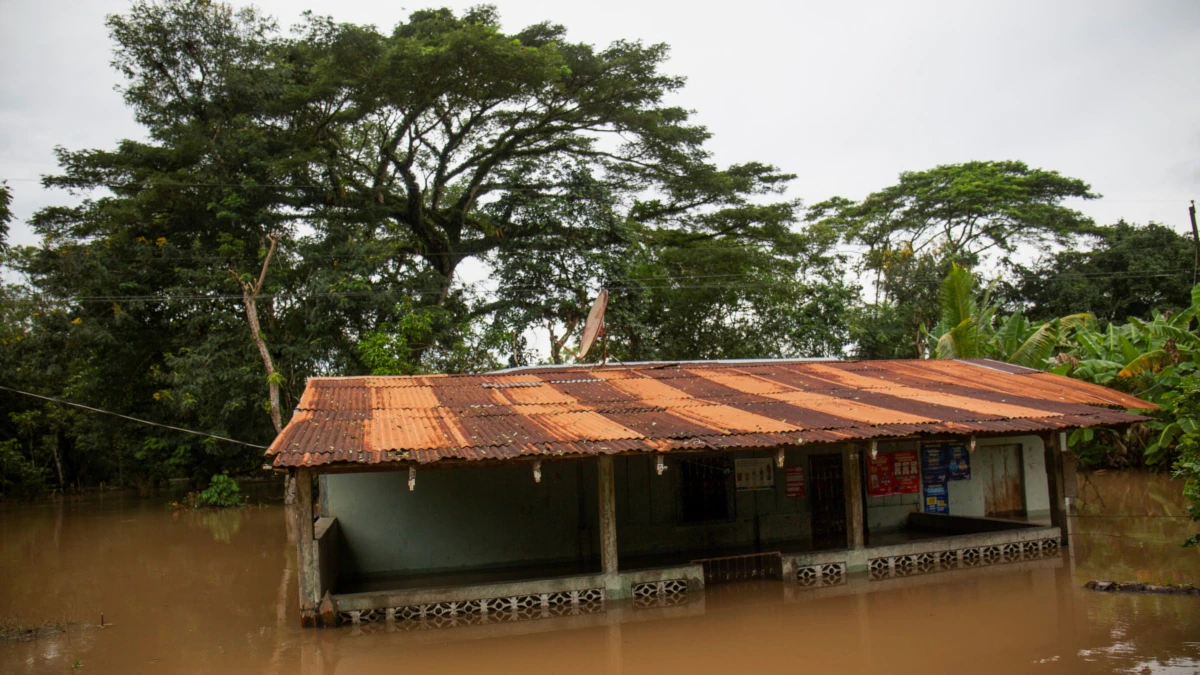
pixel 222 492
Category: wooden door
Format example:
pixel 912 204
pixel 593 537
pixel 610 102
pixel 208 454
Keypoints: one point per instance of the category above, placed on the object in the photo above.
pixel 1004 489
pixel 828 501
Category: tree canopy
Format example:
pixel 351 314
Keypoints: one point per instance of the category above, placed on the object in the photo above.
pixel 303 201
pixel 913 232
pixel 1122 271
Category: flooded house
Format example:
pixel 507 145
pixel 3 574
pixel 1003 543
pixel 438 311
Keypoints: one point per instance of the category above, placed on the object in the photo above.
pixel 549 491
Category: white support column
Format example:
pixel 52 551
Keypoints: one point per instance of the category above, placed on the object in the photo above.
pixel 608 526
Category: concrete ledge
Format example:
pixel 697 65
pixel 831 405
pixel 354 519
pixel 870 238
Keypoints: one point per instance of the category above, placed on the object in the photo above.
pixel 860 583
pixel 621 587
pixel 425 596
pixel 857 560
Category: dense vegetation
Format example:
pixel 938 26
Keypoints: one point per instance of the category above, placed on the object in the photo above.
pixel 447 196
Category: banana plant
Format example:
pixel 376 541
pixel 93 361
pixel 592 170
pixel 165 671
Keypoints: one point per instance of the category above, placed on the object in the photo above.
pixel 970 327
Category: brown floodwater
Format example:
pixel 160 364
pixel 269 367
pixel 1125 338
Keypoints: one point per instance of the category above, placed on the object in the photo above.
pixel 215 592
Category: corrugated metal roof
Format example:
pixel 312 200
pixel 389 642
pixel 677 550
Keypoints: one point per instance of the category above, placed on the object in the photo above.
pixel 660 407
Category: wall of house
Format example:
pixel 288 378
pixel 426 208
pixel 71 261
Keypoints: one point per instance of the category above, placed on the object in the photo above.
pixel 489 517
pixel 462 518
pixel 889 514
pixel 969 497
pixel 650 519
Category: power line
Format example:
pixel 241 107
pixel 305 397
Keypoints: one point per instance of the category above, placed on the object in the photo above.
pixel 517 290
pixel 132 419
pixel 313 186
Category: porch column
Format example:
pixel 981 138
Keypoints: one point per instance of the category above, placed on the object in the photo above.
pixel 1054 483
pixel 306 558
pixel 608 524
pixel 852 482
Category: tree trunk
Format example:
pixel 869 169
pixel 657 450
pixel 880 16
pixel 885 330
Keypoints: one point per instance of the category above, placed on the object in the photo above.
pixel 62 485
pixel 272 382
pixel 250 293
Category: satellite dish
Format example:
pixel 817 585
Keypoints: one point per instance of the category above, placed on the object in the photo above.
pixel 595 324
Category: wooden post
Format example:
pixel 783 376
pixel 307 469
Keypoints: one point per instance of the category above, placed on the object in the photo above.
pixel 306 558
pixel 1054 483
pixel 852 481
pixel 608 521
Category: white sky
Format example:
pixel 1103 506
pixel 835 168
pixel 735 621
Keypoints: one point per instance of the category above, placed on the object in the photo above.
pixel 844 94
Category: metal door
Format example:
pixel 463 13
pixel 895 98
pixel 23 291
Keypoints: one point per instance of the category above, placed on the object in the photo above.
pixel 828 501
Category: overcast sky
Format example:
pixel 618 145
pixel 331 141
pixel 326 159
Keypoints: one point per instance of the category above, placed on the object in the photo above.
pixel 844 94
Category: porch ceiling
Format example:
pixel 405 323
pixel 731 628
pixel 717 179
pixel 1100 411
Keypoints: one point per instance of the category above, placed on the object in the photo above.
pixel 661 407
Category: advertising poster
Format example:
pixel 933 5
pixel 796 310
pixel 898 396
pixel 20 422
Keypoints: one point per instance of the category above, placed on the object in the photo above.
pixel 793 482
pixel 959 461
pixel 906 472
pixel 934 468
pixel 879 476
pixel 754 474
pixel 936 498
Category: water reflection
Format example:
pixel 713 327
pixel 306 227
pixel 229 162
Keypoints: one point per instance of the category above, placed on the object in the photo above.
pixel 215 592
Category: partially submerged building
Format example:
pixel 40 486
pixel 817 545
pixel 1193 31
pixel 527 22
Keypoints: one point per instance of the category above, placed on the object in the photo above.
pixel 556 490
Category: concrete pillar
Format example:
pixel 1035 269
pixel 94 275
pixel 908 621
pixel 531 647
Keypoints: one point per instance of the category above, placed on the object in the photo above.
pixel 853 486
pixel 306 558
pixel 608 524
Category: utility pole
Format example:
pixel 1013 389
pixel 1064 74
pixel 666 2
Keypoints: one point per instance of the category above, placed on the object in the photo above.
pixel 1195 240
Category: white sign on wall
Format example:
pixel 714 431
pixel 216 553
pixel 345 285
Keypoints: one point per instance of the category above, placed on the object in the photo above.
pixel 753 474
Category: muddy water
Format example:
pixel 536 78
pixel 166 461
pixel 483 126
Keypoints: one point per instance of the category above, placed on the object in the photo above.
pixel 215 592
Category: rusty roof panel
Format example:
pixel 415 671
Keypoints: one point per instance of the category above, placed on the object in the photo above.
pixel 659 424
pixel 732 420
pixel 399 398
pixel 542 394
pixel 661 407
pixel 468 396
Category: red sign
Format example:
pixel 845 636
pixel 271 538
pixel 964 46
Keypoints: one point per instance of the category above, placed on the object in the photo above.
pixel 906 473
pixel 879 475
pixel 793 481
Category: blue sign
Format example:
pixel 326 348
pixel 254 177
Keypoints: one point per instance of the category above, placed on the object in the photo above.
pixel 937 498
pixel 934 463
pixel 959 461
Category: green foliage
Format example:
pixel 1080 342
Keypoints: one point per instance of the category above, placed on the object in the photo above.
pixel 971 327
pixel 915 231
pixel 5 212
pixel 19 477
pixel 1128 271
pixel 380 161
pixel 222 492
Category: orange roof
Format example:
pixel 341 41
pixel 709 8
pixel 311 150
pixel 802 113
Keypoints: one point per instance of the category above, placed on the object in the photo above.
pixel 555 411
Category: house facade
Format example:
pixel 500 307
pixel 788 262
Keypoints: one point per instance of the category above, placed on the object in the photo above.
pixel 561 491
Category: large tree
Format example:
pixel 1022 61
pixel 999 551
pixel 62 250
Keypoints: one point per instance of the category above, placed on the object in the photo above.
pixel 300 203
pixel 913 232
